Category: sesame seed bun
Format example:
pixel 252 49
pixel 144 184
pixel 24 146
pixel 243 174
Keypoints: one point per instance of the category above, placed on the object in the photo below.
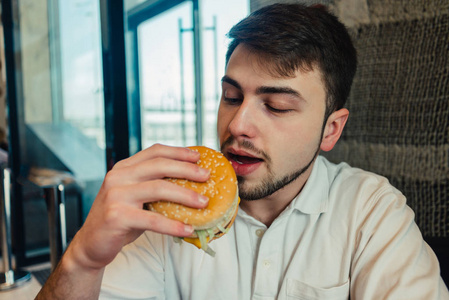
pixel 220 188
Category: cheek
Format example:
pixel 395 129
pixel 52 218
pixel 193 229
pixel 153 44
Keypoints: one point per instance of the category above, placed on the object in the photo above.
pixel 296 142
pixel 222 123
pixel 300 132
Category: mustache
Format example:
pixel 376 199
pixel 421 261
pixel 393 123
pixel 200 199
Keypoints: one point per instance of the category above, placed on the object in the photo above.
pixel 247 145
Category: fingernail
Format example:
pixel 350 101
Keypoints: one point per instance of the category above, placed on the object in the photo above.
pixel 193 150
pixel 204 171
pixel 188 229
pixel 203 199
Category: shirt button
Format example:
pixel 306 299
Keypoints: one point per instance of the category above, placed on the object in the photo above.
pixel 266 263
pixel 260 232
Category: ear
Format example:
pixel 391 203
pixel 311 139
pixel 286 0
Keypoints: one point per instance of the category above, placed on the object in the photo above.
pixel 333 128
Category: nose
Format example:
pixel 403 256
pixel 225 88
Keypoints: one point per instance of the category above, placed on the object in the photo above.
pixel 243 121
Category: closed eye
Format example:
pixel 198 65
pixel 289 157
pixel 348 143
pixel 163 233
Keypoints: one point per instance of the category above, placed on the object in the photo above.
pixel 232 101
pixel 276 110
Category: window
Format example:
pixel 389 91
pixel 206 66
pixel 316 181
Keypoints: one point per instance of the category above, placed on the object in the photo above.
pixel 176 86
pixel 57 75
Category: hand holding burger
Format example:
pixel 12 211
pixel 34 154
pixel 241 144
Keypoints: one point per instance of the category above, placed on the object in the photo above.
pixel 217 217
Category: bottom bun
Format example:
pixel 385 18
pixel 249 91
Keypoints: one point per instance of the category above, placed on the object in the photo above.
pixel 204 237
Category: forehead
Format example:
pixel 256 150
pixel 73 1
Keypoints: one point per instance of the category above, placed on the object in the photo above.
pixel 276 65
pixel 251 69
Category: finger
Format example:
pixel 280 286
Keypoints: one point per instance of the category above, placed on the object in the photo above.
pixel 163 168
pixel 156 190
pixel 137 219
pixel 154 169
pixel 158 150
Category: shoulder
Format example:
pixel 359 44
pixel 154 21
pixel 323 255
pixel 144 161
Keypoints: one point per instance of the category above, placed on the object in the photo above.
pixel 343 172
pixel 386 242
pixel 346 180
pixel 363 194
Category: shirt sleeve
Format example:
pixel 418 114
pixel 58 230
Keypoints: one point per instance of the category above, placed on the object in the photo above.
pixel 391 260
pixel 137 272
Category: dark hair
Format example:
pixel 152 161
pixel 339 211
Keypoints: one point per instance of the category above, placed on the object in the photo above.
pixel 294 36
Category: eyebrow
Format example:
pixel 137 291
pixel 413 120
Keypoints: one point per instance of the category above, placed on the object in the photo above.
pixel 278 90
pixel 231 81
pixel 266 89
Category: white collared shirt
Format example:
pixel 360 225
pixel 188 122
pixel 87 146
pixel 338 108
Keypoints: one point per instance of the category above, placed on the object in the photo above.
pixel 348 234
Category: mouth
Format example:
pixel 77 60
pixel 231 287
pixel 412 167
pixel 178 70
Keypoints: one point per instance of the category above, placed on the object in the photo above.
pixel 243 163
pixel 244 159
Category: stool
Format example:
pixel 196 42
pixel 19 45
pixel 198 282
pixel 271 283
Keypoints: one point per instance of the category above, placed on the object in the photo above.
pixel 10 278
pixel 54 183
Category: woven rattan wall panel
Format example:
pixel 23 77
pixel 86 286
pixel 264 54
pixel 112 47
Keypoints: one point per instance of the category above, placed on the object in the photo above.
pixel 394 10
pixel 399 113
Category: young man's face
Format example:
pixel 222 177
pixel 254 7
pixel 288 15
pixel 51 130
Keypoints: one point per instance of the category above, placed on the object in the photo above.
pixel 270 128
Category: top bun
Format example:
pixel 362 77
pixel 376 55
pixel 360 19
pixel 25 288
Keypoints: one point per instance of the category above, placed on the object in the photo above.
pixel 220 188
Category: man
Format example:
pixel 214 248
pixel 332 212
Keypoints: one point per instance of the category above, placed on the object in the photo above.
pixel 306 228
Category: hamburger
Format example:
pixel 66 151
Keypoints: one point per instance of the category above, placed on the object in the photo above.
pixel 221 188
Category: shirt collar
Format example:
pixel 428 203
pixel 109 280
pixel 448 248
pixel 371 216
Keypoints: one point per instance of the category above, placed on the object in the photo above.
pixel 314 197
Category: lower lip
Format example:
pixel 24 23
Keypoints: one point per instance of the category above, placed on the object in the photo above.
pixel 244 169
